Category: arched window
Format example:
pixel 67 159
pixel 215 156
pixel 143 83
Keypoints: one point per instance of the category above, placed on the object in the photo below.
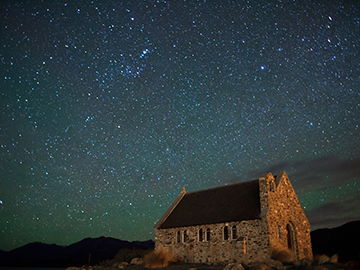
pixel 278 231
pixel 178 237
pixel 201 237
pixel 291 239
pixel 289 236
pixel 185 236
pixel 234 233
pixel 226 233
pixel 208 234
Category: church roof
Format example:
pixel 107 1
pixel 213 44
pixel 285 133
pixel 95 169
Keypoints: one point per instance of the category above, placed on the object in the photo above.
pixel 235 202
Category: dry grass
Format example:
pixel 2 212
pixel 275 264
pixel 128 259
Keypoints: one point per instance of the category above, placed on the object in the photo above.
pixel 283 255
pixel 158 258
pixel 125 255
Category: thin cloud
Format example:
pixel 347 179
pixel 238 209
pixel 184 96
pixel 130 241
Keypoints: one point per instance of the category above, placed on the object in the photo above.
pixel 317 174
pixel 334 214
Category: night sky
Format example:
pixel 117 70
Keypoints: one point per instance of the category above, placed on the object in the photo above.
pixel 109 108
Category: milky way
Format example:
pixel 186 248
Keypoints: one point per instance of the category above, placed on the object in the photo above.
pixel 109 108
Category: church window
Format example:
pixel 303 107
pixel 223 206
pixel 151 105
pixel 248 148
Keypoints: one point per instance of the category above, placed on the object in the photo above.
pixel 244 245
pixel 178 237
pixel 226 233
pixel 208 234
pixel 289 236
pixel 201 237
pixel 234 233
pixel 278 231
pixel 185 236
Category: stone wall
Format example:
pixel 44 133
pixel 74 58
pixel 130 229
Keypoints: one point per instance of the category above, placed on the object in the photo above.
pixel 286 218
pixel 283 223
pixel 249 243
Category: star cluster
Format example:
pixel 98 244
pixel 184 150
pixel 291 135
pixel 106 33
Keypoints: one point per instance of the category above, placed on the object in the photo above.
pixel 109 108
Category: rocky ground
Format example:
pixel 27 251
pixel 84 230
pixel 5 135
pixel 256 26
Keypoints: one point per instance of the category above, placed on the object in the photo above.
pixel 322 263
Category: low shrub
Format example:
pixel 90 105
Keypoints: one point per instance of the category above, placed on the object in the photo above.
pixel 125 255
pixel 283 255
pixel 158 258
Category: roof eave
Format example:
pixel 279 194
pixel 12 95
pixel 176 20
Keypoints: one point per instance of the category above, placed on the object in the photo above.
pixel 262 214
pixel 170 209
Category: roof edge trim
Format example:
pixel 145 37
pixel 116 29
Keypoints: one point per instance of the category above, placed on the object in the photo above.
pixel 170 209
pixel 279 176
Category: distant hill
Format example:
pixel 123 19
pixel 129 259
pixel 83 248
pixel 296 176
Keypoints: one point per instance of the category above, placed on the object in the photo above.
pixel 51 255
pixel 343 240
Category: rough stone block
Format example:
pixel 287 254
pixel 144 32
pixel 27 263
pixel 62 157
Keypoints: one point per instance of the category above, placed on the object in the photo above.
pixel 324 259
pixel 122 265
pixel 334 258
pixel 238 267
pixel 261 267
pixel 274 264
pixel 136 261
pixel 304 262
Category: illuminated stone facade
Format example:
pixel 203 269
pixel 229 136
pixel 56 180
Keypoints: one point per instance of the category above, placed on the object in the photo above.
pixel 236 223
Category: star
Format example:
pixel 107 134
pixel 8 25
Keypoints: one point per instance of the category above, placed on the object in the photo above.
pixel 108 110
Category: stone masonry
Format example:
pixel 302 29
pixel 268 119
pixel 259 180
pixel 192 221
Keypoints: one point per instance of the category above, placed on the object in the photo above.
pixel 279 224
pixel 288 225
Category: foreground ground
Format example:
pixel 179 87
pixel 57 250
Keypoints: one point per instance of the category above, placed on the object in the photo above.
pixel 352 265
pixel 163 259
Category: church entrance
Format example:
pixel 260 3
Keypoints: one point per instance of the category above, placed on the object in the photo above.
pixel 291 240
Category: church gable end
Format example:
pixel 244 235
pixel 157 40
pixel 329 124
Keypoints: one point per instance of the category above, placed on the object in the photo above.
pixel 288 224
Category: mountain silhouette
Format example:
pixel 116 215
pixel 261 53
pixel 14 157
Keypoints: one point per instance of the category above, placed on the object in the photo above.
pixel 39 254
pixel 343 240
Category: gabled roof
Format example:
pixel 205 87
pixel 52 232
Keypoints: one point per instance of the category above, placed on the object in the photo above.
pixel 222 204
pixel 278 177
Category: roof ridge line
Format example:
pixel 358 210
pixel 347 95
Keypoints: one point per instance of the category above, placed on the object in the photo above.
pixel 220 187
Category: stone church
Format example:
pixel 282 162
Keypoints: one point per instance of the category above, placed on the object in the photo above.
pixel 242 222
